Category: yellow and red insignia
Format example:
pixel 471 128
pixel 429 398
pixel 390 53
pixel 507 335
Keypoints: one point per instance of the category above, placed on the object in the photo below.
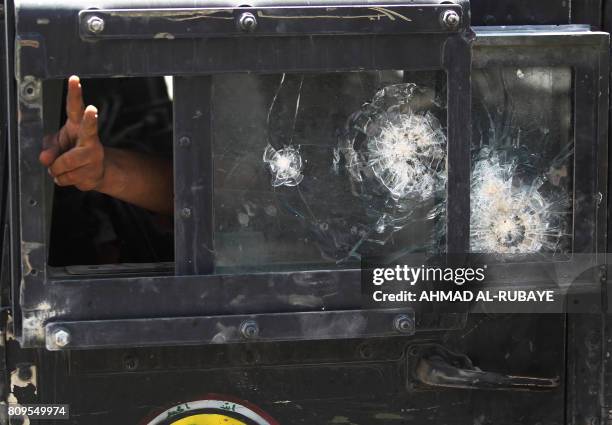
pixel 213 410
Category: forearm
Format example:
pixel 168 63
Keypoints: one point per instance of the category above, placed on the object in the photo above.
pixel 138 178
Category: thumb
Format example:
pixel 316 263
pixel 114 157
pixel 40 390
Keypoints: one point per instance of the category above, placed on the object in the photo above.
pixel 51 150
pixel 88 130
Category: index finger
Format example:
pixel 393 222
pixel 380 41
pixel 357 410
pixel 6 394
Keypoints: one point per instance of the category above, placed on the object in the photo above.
pixel 74 100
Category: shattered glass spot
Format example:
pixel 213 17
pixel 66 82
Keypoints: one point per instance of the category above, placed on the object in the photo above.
pixel 406 153
pixel 521 164
pixel 285 165
pixel 394 149
pixel 510 216
pixel 402 148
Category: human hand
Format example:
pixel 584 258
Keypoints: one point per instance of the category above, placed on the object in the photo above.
pixel 75 156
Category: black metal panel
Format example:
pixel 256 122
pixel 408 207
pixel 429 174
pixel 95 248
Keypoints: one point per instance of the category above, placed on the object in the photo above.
pixel 589 12
pixel 136 297
pixel 31 200
pixel 316 381
pixel 585 369
pixel 607 370
pixel 12 184
pixel 192 57
pixel 522 12
pixel 542 12
pixel 607 16
pixel 193 176
pixel 214 22
pixel 4 240
pixel 458 61
pixel 230 329
pixel 607 26
pixel 3 125
pixel 228 294
pixel 184 56
pixel 5 266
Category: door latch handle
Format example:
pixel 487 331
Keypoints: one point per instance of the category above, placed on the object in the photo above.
pixel 435 366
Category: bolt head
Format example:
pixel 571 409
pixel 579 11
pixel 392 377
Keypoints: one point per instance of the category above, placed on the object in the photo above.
pixel 403 324
pixel 186 212
pixel 130 363
pixel 61 337
pixel 247 22
pixel 29 91
pixel 184 141
pixel 249 329
pixel 30 88
pixel 95 24
pixel 451 19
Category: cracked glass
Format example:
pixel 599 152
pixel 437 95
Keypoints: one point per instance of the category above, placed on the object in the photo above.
pixel 318 170
pixel 522 162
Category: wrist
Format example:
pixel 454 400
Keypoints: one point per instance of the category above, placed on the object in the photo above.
pixel 110 182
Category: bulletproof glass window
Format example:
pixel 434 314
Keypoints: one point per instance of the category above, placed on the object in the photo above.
pixel 319 170
pixel 538 153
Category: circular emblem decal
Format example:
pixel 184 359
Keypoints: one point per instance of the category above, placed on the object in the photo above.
pixel 208 419
pixel 213 411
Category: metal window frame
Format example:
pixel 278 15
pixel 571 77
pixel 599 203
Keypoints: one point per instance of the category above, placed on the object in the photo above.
pixel 41 54
pixel 586 52
pixel 9 84
pixel 4 190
